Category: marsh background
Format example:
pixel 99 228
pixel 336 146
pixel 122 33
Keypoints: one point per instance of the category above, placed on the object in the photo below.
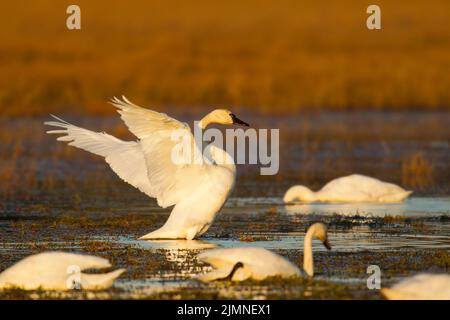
pixel 347 99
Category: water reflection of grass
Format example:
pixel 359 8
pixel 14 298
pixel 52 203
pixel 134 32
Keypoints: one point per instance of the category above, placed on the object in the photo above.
pixel 313 151
pixel 279 56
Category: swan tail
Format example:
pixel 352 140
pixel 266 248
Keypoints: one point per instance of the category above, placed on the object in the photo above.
pixel 100 281
pixel 397 197
pixel 387 293
pixel 406 194
pixel 392 294
pixel 171 231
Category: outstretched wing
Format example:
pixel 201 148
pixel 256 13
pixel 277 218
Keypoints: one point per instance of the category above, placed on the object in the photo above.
pixel 170 179
pixel 124 157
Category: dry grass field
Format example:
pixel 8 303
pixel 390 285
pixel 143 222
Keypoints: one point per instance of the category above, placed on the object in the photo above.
pixel 270 56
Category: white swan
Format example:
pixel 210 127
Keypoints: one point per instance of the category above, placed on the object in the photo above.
pixel 198 191
pixel 238 264
pixel 352 188
pixel 58 271
pixel 420 287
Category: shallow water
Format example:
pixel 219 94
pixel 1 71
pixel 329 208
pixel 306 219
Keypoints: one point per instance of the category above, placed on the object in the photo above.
pixel 66 200
pixel 412 207
pixel 167 269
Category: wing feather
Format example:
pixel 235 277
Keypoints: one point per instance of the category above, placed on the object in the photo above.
pixel 146 164
pixel 124 157
pixel 170 181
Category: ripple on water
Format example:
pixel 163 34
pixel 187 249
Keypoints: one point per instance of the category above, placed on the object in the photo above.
pixel 412 207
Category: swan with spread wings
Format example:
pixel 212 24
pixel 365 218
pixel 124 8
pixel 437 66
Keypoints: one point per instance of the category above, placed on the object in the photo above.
pixel 196 189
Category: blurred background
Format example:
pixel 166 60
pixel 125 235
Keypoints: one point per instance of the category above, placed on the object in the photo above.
pixel 270 57
pixel 346 99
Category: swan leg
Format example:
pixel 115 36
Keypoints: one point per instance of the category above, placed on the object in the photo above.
pixel 179 225
pixel 171 229
pixel 162 233
pixel 192 232
pixel 173 233
pixel 188 220
pixel 203 229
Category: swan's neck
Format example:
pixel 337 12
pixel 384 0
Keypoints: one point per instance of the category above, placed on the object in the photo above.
pixel 300 193
pixel 308 263
pixel 222 158
pixel 310 196
pixel 206 121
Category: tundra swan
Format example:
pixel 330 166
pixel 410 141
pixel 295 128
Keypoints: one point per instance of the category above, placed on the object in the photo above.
pixel 197 190
pixel 58 271
pixel 352 188
pixel 238 264
pixel 420 287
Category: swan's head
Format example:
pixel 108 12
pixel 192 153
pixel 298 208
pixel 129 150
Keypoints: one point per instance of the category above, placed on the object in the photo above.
pixel 319 231
pixel 300 193
pixel 222 116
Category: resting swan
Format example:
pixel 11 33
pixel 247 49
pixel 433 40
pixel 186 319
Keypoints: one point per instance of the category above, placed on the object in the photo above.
pixel 57 271
pixel 196 190
pixel 420 287
pixel 239 264
pixel 353 188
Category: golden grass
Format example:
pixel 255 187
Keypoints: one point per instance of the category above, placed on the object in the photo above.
pixel 410 150
pixel 281 56
pixel 417 171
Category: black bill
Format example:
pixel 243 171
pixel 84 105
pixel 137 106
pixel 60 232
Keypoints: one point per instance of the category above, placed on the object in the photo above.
pixel 236 120
pixel 327 244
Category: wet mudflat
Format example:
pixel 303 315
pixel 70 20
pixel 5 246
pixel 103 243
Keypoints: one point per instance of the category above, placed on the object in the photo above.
pixel 399 245
pixel 54 197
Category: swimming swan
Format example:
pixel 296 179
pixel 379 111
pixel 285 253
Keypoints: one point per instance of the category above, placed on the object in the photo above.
pixel 58 271
pixel 420 287
pixel 239 264
pixel 197 190
pixel 353 188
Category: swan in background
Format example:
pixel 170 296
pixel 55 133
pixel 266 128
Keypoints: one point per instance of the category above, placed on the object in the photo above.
pixel 196 190
pixel 55 271
pixel 352 188
pixel 239 264
pixel 420 287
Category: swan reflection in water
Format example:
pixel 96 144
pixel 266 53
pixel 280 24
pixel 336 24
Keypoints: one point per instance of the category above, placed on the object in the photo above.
pixel 181 252
pixel 413 207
